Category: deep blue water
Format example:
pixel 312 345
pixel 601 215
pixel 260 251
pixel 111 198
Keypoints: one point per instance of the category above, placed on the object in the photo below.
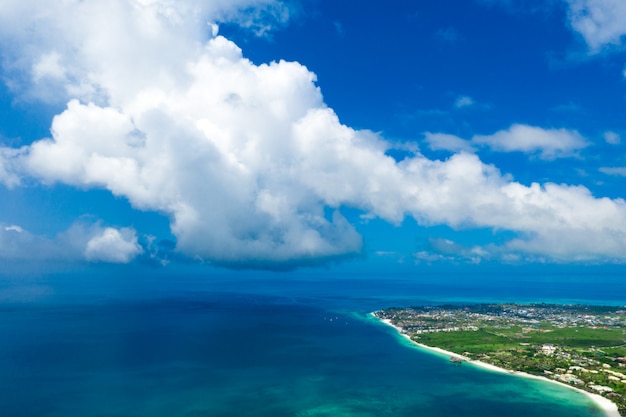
pixel 255 346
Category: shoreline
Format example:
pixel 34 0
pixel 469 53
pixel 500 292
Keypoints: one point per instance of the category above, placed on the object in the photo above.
pixel 607 406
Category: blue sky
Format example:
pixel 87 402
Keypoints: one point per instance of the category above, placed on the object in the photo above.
pixel 268 134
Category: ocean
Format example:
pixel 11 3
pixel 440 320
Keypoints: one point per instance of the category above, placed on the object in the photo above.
pixel 258 345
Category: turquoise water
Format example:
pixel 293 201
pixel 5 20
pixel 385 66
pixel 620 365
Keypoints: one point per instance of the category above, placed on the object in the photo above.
pixel 204 351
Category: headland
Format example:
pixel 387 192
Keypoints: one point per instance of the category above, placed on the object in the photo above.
pixel 576 346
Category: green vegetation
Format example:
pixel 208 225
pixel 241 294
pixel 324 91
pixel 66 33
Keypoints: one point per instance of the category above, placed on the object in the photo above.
pixel 584 346
pixel 476 342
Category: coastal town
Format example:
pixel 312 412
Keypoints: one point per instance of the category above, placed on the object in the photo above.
pixel 579 345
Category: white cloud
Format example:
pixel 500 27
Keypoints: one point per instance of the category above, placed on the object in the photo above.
pixel 576 225
pixel 617 171
pixel 215 29
pixel 612 138
pixel 49 66
pixel 76 49
pixel 463 101
pixel 446 142
pixel 18 244
pixel 599 22
pixel 8 176
pixel 82 241
pixel 164 121
pixel 14 228
pixel 548 143
pixel 438 250
pixel 257 16
pixel 248 162
pixel 114 246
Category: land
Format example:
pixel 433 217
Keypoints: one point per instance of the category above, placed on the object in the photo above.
pixel 581 346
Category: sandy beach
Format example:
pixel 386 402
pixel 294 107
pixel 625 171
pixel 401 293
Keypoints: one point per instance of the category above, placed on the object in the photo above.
pixel 609 408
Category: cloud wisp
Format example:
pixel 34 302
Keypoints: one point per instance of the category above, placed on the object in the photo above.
pixel 601 23
pixel 248 162
pixel 463 101
pixel 547 144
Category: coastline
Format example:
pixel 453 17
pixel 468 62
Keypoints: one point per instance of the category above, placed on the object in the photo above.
pixel 607 406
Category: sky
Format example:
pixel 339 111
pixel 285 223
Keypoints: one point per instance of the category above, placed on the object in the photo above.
pixel 267 134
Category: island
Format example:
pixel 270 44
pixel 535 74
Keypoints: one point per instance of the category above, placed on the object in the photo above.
pixel 582 346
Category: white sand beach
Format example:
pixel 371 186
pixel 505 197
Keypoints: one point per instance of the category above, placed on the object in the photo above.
pixel 609 408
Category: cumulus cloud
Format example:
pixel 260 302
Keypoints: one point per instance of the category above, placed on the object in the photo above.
pixel 84 50
pixel 82 241
pixel 558 241
pixel 600 22
pixel 247 161
pixel 113 245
